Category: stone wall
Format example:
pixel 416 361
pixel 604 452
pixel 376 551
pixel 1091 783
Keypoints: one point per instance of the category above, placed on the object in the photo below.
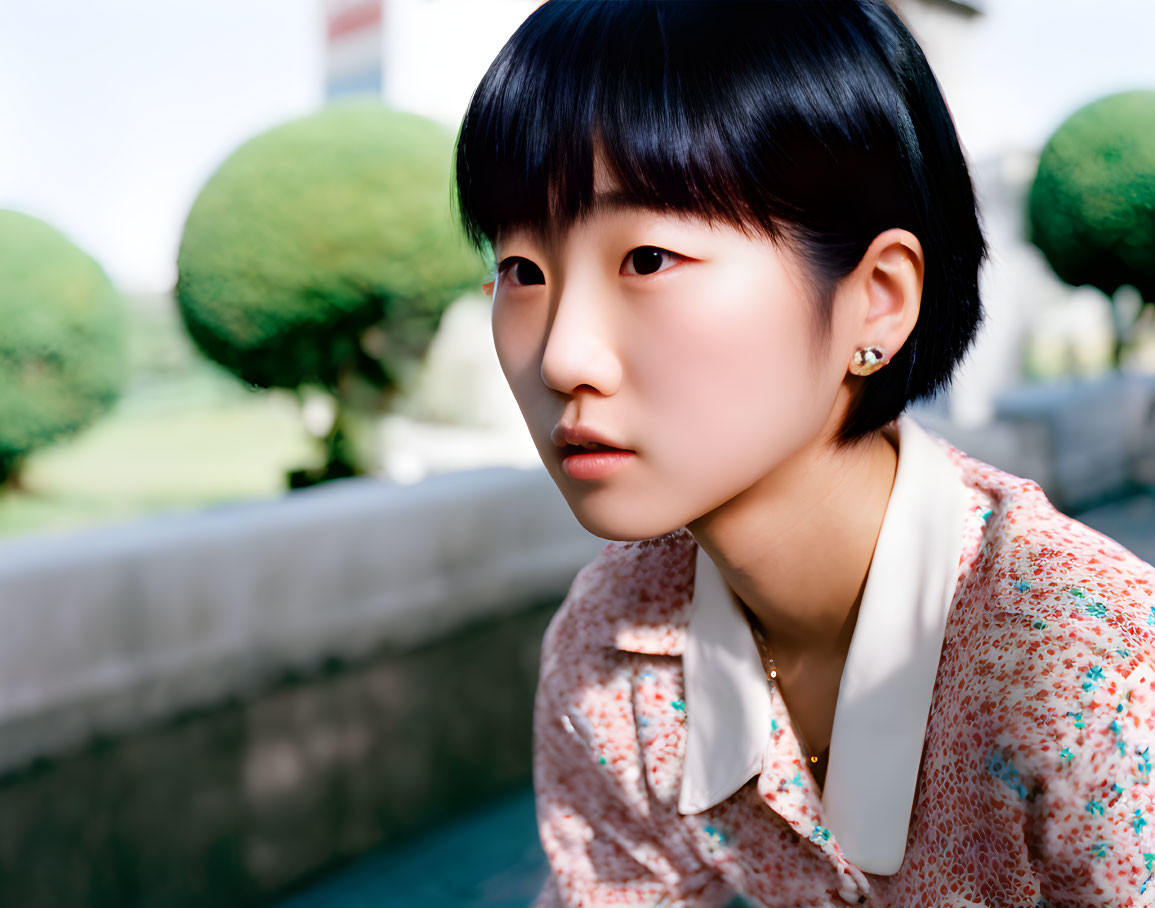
pixel 229 703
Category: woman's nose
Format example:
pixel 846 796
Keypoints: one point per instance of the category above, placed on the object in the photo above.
pixel 580 350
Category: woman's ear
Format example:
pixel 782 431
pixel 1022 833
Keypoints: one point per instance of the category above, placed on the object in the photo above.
pixel 888 286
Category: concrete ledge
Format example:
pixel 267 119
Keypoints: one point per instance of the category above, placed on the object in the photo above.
pixel 1096 431
pixel 1084 442
pixel 105 631
pixel 238 803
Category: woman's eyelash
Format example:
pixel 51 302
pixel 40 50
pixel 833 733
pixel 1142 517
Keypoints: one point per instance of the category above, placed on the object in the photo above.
pixel 645 260
pixel 533 274
pixel 648 259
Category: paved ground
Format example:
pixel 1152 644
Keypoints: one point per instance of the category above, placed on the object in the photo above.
pixel 491 857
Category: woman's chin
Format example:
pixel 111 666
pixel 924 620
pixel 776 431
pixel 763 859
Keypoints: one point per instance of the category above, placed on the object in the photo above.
pixel 623 527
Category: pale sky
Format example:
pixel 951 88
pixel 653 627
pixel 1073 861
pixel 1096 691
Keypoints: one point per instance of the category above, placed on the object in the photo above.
pixel 1015 73
pixel 114 113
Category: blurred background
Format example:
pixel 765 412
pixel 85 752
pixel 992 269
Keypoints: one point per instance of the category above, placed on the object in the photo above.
pixel 276 552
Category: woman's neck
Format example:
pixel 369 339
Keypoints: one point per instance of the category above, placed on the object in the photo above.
pixel 797 545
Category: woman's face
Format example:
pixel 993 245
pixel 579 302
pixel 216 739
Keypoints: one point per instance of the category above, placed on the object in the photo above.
pixel 686 347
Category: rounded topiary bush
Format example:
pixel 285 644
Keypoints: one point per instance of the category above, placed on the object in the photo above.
pixel 1091 208
pixel 63 339
pixel 325 248
pixel 324 253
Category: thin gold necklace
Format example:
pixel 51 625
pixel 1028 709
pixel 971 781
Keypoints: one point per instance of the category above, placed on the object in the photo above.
pixel 817 762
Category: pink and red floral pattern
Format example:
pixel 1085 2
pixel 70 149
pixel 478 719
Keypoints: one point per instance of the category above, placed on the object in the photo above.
pixel 1035 785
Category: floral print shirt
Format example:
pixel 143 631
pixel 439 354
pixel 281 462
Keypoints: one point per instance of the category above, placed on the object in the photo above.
pixel 1031 734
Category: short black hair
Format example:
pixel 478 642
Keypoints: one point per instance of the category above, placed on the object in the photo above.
pixel 815 122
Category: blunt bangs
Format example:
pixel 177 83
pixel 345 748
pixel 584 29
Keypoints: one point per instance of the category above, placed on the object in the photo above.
pixel 813 122
pixel 731 111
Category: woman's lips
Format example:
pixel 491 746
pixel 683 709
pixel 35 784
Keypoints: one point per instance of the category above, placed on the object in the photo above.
pixel 587 452
pixel 593 463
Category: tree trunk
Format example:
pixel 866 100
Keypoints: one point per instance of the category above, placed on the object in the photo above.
pixel 11 474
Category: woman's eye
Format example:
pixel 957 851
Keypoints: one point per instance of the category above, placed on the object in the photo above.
pixel 519 271
pixel 648 260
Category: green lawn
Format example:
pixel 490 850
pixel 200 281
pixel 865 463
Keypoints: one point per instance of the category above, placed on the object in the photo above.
pixel 185 435
pixel 134 464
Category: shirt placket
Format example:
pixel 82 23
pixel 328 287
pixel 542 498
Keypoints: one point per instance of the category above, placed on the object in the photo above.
pixel 787 787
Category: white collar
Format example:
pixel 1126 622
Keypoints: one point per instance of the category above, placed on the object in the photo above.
pixel 884 698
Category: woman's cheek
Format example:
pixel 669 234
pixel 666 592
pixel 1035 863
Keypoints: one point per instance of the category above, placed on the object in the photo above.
pixel 516 342
pixel 714 370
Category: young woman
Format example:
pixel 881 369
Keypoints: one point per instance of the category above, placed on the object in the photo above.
pixel 828 658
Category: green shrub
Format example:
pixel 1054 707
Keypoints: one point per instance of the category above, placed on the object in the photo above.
pixel 63 339
pixel 1092 203
pixel 324 252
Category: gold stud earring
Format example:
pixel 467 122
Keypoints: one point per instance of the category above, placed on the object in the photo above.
pixel 867 360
